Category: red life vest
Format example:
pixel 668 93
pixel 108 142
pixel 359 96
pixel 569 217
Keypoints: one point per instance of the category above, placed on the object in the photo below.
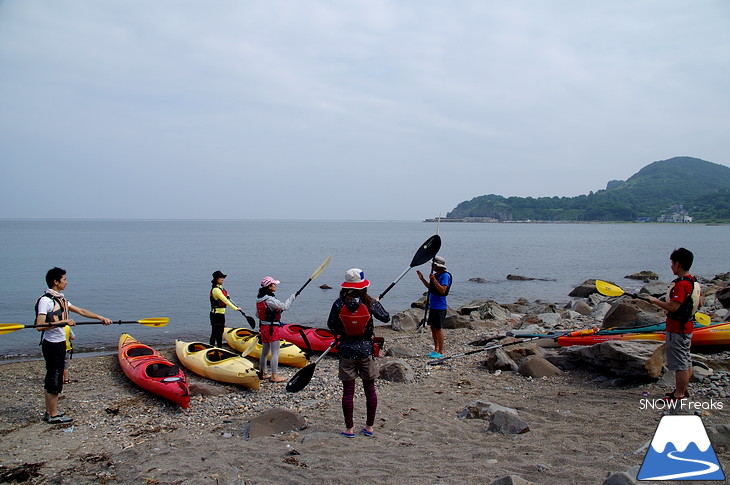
pixel 355 323
pixel 216 303
pixel 267 314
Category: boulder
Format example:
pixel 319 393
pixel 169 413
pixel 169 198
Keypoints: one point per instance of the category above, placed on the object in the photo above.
pixel 478 280
pixel 656 289
pixel 632 313
pixel 635 359
pixel 537 366
pixel 584 290
pixel 723 296
pixel 406 321
pixel 643 275
pixel 396 370
pixel 273 421
pixel 719 435
pixel 600 311
pixel 399 352
pixel 483 410
pixel 621 478
pixel 497 359
pixel 487 309
pixel 516 277
pixel 507 423
pixel 457 321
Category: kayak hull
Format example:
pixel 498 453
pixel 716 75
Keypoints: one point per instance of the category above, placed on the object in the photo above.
pixel 241 339
pixel 319 338
pixel 217 364
pixel 144 366
pixel 712 335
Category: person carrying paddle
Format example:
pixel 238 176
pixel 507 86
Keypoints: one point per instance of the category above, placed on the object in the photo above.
pixel 438 286
pixel 52 307
pixel 218 303
pixel 269 310
pixel 681 304
pixel 351 320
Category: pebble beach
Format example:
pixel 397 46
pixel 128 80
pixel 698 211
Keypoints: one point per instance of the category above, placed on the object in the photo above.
pixel 582 428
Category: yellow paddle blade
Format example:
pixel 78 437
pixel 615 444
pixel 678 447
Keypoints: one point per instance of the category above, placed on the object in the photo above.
pixel 321 267
pixel 154 322
pixel 703 319
pixel 10 327
pixel 606 288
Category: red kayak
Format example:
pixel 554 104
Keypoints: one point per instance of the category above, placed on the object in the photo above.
pixel 319 339
pixel 712 335
pixel 149 370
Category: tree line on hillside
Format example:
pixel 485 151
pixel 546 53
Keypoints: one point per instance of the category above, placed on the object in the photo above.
pixel 701 188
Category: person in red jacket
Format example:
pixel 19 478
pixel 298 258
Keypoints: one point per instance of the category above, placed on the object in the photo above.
pixel 680 307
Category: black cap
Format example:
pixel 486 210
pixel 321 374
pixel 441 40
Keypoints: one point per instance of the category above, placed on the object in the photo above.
pixel 218 274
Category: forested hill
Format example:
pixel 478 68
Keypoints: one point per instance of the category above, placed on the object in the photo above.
pixel 701 188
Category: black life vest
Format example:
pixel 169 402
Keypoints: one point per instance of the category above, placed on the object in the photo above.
pixel 432 289
pixel 690 304
pixel 355 323
pixel 59 312
pixel 214 302
pixel 267 314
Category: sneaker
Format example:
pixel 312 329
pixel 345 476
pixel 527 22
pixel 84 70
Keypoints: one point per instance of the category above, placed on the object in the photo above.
pixel 59 420
pixel 435 355
pixel 47 416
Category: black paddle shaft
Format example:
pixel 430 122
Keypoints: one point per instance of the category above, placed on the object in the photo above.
pixel 426 252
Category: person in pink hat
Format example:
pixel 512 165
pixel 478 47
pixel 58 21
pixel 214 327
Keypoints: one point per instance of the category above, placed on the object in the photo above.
pixel 351 320
pixel 269 310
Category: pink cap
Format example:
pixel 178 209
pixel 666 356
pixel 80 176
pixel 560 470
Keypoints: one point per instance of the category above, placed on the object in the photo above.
pixel 268 281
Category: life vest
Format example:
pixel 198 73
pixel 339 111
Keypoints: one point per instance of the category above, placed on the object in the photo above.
pixel 59 312
pixel 432 289
pixel 690 304
pixel 355 323
pixel 267 314
pixel 214 302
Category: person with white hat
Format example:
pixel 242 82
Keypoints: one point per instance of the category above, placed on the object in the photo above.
pixel 269 310
pixel 438 284
pixel 351 320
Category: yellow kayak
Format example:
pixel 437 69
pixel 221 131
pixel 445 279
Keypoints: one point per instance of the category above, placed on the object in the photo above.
pixel 217 364
pixel 241 340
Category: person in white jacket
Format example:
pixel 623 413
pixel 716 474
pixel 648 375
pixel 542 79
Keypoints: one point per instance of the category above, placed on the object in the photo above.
pixel 269 310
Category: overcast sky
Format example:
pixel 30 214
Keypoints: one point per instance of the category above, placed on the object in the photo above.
pixel 370 109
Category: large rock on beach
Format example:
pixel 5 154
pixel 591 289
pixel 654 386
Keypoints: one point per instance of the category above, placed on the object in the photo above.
pixel 396 370
pixel 537 366
pixel 483 410
pixel 584 290
pixel 632 313
pixel 637 360
pixel 656 289
pixel 407 320
pixel 273 421
pixel 507 423
pixel 486 309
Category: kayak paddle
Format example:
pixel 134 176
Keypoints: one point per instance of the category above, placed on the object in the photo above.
pixel 608 289
pixel 489 347
pixel 302 378
pixel 425 253
pixel 147 322
pixel 316 273
pixel 250 320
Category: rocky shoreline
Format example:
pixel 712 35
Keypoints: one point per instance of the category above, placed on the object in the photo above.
pixel 435 424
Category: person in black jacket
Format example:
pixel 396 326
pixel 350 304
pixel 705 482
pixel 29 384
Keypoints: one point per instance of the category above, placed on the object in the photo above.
pixel 351 320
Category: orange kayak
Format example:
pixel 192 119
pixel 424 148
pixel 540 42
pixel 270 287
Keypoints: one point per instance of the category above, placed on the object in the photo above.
pixel 144 366
pixel 712 335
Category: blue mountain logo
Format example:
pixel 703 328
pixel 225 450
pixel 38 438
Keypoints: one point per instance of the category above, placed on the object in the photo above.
pixel 680 450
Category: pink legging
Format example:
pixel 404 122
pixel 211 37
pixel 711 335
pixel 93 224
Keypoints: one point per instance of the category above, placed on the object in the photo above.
pixel 348 397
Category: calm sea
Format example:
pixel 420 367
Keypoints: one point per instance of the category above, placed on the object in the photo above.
pixel 128 270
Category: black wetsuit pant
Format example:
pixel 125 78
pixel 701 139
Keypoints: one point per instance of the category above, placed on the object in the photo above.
pixel 217 323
